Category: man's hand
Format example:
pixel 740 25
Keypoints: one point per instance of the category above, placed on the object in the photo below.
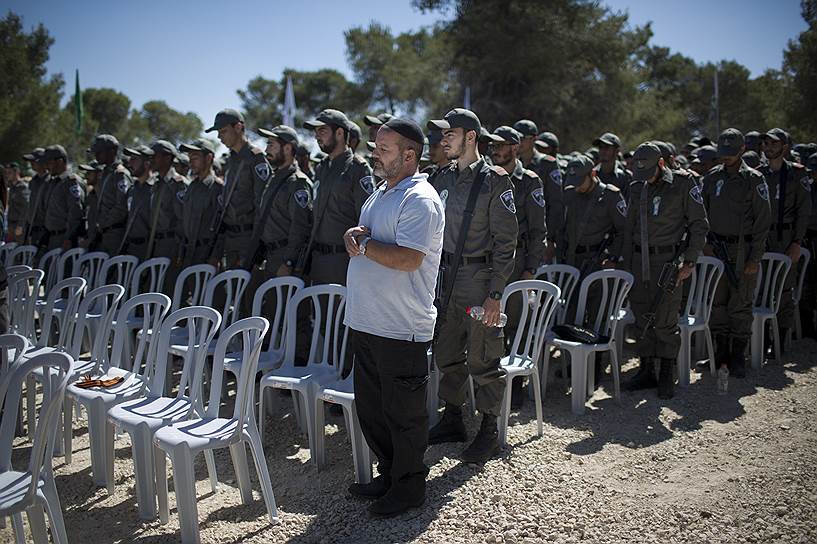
pixel 284 270
pixel 708 251
pixel 751 268
pixel 793 253
pixel 684 273
pixel 491 317
pixel 526 275
pixel 350 239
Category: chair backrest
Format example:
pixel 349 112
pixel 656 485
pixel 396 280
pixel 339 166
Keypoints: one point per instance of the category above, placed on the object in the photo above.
pixel 202 324
pixel 151 309
pixel 49 263
pixel 106 299
pixel 805 258
pixel 17 269
pixel 22 255
pixel 190 285
pixel 702 285
pixel 770 281
pixel 329 334
pixel 118 270
pixel 540 300
pixel 248 334
pixel 614 286
pixel 89 266
pixel 8 343
pixel 22 299
pixel 5 250
pixel 566 278
pixel 283 288
pixel 67 263
pixel 57 369
pixel 70 291
pixel 233 282
pixel 152 272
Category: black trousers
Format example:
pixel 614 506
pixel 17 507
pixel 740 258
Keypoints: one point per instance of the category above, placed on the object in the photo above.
pixel 390 395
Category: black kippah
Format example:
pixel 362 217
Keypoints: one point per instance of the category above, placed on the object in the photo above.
pixel 407 129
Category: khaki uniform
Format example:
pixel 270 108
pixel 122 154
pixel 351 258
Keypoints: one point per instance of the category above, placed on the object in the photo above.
pixel 19 196
pixel 165 193
pixel 65 210
pixel 112 207
pixel 619 177
pixel 464 345
pixel 39 187
pixel 667 208
pixel 740 216
pixel 433 171
pixel 790 205
pixel 138 219
pixel 547 168
pixel 198 201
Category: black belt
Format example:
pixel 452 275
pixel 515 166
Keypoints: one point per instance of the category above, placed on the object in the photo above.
pixel 729 239
pixel 448 259
pixel 587 249
pixel 163 235
pixel 329 248
pixel 57 232
pixel 784 226
pixel 237 229
pixel 278 244
pixel 656 250
pixel 120 225
pixel 205 242
pixel 137 241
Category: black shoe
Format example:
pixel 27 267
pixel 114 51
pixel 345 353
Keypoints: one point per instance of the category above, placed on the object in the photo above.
pixel 450 428
pixel 391 505
pixel 722 351
pixel 666 381
pixel 737 363
pixel 373 490
pixel 485 444
pixel 644 378
pixel 517 393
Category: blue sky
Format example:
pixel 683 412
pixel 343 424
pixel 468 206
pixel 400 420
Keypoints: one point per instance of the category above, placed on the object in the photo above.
pixel 194 55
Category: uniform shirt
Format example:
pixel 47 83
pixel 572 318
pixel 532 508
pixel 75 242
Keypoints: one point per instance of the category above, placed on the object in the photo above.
pixel 197 202
pixel 39 187
pixel 674 204
pixel 249 171
pixel 163 198
pixel 65 209
pixel 797 204
pixel 290 214
pixel 393 303
pixel 341 186
pixel 619 177
pixel 494 229
pixel 739 205
pixel 590 216
pixel 19 201
pixel 139 209
pixel 812 226
pixel 91 209
pixel 529 199
pixel 433 172
pixel 547 168
pixel 112 206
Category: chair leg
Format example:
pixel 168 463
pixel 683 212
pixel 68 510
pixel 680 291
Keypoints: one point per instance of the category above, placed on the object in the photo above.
pixel 143 471
pixel 537 398
pixel 260 461
pixel 711 351
pixel 320 432
pixel 67 428
pixel 578 380
pixel 97 423
pixel 36 522
pixel 58 533
pixel 160 471
pixel 31 399
pixel 505 411
pixel 308 416
pixel 778 352
pixel 19 529
pixel 616 368
pixel 242 472
pixel 543 377
pixel 184 482
pixel 591 374
pixel 684 358
pixel 360 449
pixel 261 411
pixel 758 330
pixel 210 460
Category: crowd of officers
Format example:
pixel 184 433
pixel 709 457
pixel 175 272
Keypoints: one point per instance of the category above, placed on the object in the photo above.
pixel 268 211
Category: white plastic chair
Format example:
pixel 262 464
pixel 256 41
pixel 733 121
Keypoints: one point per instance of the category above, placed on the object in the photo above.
pixel 119 270
pixel 17 269
pixel 183 440
pixel 5 251
pixel 142 417
pixel 325 351
pixel 22 298
pixel 615 284
pixel 768 295
pixel 67 263
pixel 797 294
pixel 566 278
pixel 33 490
pixel 12 347
pixel 89 266
pixel 152 272
pixel 49 263
pixel 97 401
pixel 523 359
pixel 190 285
pixel 695 319
pixel 21 255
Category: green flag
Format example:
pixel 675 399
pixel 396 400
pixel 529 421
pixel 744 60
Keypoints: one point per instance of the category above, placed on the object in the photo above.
pixel 78 113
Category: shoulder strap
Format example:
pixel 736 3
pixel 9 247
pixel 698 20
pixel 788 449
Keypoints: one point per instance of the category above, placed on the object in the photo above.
pixel 258 230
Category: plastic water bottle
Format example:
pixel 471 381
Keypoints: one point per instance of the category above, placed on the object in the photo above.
pixel 478 312
pixel 723 380
pixel 531 298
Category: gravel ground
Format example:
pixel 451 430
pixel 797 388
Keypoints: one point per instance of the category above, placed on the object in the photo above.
pixel 699 468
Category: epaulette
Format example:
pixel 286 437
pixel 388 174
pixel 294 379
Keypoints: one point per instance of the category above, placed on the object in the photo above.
pixel 498 170
pixel 120 168
pixel 530 173
pixel 358 159
pixel 550 158
pixel 256 150
pixel 610 187
pixel 569 188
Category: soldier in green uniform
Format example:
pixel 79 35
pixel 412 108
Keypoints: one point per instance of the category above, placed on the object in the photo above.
pixel 611 172
pixel 548 144
pixel 662 206
pixel 65 207
pixel 808 302
pixel 466 346
pixel 437 156
pixel 163 238
pixel 199 200
pixel 737 201
pixel 182 165
pixel 302 158
pixel 19 196
pixel 112 199
pixel 374 122
pixel 704 159
pixel 92 172
pixel 790 202
pixel 35 226
pixel 343 181
pixel 753 141
pixel 245 176
pixel 137 229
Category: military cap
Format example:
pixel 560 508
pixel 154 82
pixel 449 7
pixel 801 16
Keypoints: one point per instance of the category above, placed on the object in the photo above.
pixel 682 161
pixel 577 169
pixel 406 128
pixel 666 150
pixel 805 150
pixel 752 137
pixel 701 141
pixel 202 145
pixel 777 134
pixel 751 159
pixel 729 142
pixel 370 146
pixel 608 138
pixel 55 152
pixel 645 161
pixel 139 151
pixel 434 136
pixel 92 166
pixel 525 127
pixel 283 133
pixel 593 153
pixel 163 146
pixel 131 152
pixel 705 153
pixel 302 151
pixel 691 146
pixel 811 162
pixel 549 139
pixel 13 164
pixel 457 118
pixel 354 130
pixel 505 135
pixel 183 159
pixel 329 117
pixel 226 117
pixel 35 154
pixel 376 121
pixel 104 141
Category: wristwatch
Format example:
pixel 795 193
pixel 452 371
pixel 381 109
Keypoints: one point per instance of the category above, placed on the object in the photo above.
pixel 496 295
pixel 362 244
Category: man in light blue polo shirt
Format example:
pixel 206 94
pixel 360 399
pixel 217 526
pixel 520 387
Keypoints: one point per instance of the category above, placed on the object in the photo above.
pixel 395 256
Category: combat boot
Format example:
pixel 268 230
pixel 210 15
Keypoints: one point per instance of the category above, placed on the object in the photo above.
pixel 644 378
pixel 737 363
pixel 666 381
pixel 485 444
pixel 450 428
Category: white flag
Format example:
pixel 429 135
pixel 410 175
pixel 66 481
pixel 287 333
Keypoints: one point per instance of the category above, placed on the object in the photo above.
pixel 289 104
pixel 466 100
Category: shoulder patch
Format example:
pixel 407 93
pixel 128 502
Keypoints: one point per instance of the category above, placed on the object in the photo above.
pixel 804 181
pixel 763 190
pixel 696 195
pixel 367 184
pixel 507 200
pixel 122 185
pixel 75 190
pixel 301 197
pixel 538 196
pixel 443 197
pixel 262 170
pixel 180 195
pixel 498 170
pixel 556 176
pixel 621 207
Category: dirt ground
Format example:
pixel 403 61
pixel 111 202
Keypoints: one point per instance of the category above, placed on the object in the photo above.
pixel 698 468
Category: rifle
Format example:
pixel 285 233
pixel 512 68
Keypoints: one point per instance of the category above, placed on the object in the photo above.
pixel 258 248
pixel 603 245
pixel 667 282
pixel 721 252
pixel 218 221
